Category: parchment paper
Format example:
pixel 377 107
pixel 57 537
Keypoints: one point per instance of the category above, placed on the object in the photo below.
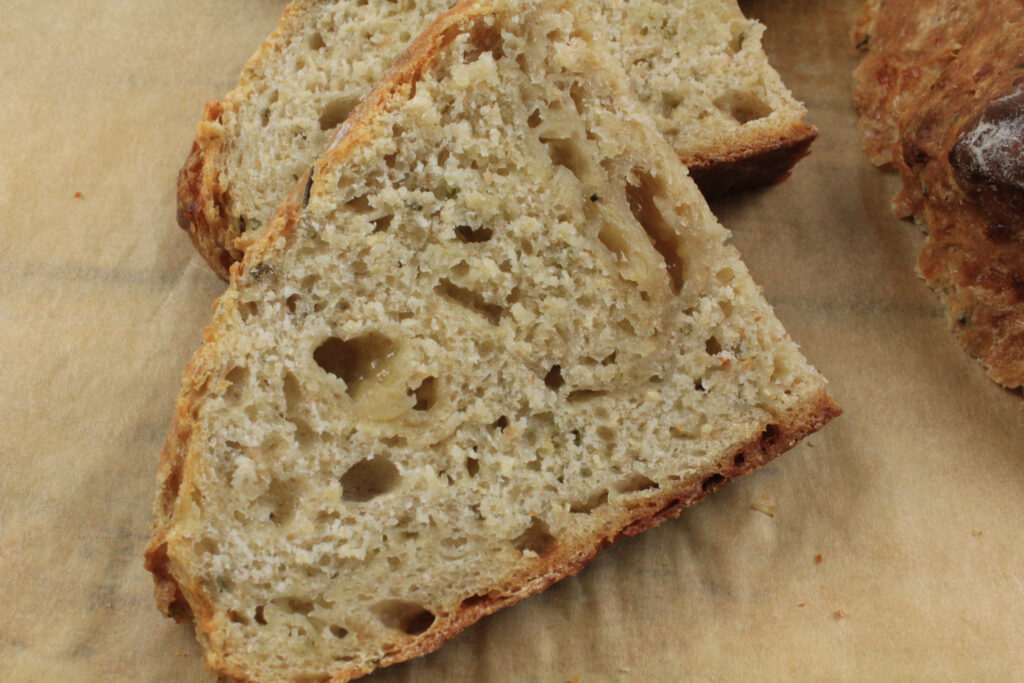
pixel 888 546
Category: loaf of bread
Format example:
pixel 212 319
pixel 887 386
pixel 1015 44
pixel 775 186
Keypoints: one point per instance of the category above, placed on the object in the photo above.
pixel 941 96
pixel 697 64
pixel 494 328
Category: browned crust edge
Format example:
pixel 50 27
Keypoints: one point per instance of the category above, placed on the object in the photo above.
pixel 774 440
pixel 201 199
pixel 768 163
pixel 178 601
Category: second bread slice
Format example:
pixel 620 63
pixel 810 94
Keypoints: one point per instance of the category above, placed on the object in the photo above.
pixel 697 65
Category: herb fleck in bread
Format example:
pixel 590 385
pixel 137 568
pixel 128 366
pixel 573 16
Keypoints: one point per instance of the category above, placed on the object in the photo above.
pixel 496 328
pixel 697 64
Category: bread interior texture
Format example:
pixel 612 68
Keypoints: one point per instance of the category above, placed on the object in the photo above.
pixel 498 327
pixel 697 65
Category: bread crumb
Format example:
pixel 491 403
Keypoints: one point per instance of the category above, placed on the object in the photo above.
pixel 765 506
pixel 817 559
pixel 976 532
pixel 801 604
pixel 840 613
pixel 181 653
pixel 79 195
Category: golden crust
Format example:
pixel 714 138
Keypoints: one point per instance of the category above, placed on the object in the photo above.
pixel 948 114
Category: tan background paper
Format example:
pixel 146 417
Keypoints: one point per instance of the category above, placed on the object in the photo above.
pixel 913 499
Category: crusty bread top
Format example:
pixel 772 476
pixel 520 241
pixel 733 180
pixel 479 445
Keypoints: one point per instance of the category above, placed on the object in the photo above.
pixel 940 95
pixel 908 44
pixel 698 65
pixel 496 328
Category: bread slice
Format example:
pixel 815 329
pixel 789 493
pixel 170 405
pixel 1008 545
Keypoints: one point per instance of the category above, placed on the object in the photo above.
pixel 697 64
pixel 495 329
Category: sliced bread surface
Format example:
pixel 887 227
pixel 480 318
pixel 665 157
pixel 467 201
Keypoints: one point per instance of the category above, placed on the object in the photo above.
pixel 698 65
pixel 495 329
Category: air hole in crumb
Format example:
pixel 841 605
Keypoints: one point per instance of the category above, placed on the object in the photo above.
pixel 577 437
pixel 770 435
pixel 207 546
pixel 473 235
pixel 282 499
pixel 258 616
pixel 699 385
pixel 712 482
pixel 636 482
pixel 483 39
pixel 316 41
pixel 576 94
pixel 226 259
pixel 237 375
pixel 553 380
pixel 740 460
pixel 606 433
pixel 298 606
pixel 394 563
pixel 580 395
pixel 501 423
pixel 590 504
pixel 564 153
pixel 473 601
pixel 408 617
pixel 356 360
pixel 662 236
pixel 609 359
pixel 712 346
pixel 535 119
pixel 237 618
pixel 425 393
pixel 442 157
pixel 472 466
pixel 336 112
pixel 725 276
pixel 742 107
pixel 369 478
pixel 736 44
pixel 291 303
pixel 293 400
pixel 360 204
pixel 536 539
pixel 470 300
pixel 338 631
pixel 381 224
